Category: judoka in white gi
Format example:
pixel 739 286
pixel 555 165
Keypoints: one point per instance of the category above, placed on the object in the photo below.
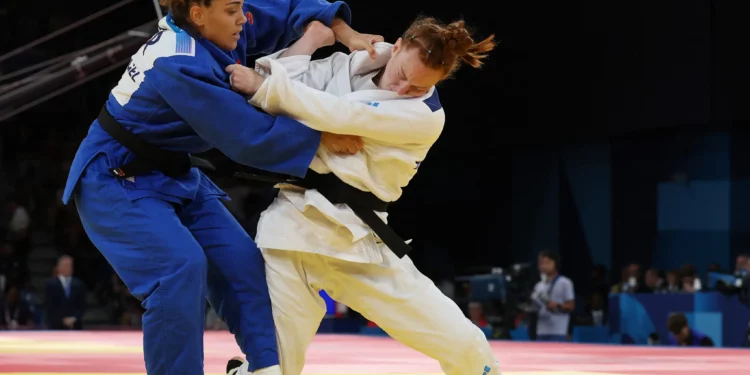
pixel 310 244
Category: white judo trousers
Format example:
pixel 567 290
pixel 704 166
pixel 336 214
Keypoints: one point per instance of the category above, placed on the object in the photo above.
pixel 310 244
pixel 393 294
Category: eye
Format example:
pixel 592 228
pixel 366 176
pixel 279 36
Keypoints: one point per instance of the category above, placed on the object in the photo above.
pixel 232 12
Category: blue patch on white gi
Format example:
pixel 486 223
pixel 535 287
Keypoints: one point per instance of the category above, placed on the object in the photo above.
pixel 374 104
pixel 434 101
pixel 183 44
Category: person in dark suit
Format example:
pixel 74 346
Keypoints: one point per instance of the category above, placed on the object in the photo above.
pixel 64 298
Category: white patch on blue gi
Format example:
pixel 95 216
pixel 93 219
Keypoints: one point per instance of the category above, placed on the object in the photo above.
pixel 165 43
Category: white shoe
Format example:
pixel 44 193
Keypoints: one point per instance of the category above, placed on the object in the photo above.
pixel 234 365
pixel 238 366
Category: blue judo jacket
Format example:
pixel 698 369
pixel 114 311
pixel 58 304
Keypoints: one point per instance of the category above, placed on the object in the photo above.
pixel 176 95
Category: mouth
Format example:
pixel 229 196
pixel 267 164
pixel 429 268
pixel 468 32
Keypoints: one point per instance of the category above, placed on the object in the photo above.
pixel 236 36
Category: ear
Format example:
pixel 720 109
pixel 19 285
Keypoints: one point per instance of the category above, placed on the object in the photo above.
pixel 397 46
pixel 197 15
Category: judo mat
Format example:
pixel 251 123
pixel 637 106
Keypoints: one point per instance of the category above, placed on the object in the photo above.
pixel 106 352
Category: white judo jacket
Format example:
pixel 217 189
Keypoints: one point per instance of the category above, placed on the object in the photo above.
pixel 397 132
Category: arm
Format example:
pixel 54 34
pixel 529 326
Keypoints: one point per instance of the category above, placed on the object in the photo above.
pixel 393 121
pixel 706 341
pixel 569 297
pixel 314 74
pixel 568 304
pixel 276 23
pixel 225 120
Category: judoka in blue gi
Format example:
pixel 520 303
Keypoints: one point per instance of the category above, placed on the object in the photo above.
pixel 165 232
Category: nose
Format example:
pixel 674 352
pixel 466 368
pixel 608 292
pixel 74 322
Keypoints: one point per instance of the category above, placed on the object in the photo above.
pixel 403 88
pixel 243 18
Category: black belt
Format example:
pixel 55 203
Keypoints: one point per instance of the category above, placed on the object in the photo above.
pixel 175 164
pixel 363 204
pixel 147 156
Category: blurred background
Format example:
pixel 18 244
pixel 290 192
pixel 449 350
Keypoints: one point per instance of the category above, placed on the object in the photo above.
pixel 611 133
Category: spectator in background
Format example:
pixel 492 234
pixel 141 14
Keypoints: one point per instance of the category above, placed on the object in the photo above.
pixel 635 282
pixel 476 315
pixel 688 284
pixel 673 282
pixel 19 236
pixel 64 298
pixel 740 267
pixel 690 281
pixel 555 298
pixel 10 267
pixel 19 227
pixel 16 314
pixel 622 285
pixel 654 283
pixel 683 335
pixel 596 311
pixel 714 267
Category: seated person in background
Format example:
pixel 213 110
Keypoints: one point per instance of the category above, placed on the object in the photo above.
pixel 683 335
pixel 673 284
pixel 15 312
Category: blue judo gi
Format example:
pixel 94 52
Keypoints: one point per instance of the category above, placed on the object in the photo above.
pixel 171 240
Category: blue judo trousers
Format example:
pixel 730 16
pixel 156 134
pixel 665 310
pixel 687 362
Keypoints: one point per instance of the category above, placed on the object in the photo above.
pixel 171 240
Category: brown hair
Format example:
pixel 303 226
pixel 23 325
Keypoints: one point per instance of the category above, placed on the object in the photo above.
pixel 446 46
pixel 676 322
pixel 180 9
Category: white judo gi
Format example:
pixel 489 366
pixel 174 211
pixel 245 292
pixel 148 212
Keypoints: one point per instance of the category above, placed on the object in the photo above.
pixel 310 244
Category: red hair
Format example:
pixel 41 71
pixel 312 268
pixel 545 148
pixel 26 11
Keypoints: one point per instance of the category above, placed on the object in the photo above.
pixel 446 47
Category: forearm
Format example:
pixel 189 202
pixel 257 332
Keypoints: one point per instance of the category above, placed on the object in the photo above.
pixel 225 120
pixel 326 112
pixel 299 49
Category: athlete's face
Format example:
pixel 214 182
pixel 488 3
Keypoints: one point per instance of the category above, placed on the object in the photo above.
pixel 406 74
pixel 221 22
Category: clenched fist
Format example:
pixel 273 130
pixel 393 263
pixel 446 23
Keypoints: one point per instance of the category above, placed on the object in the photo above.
pixel 244 80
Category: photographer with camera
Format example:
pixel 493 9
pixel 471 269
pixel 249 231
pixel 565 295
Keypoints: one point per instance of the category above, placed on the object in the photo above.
pixel 553 298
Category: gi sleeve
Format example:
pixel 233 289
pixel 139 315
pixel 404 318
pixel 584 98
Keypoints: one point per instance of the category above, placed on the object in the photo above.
pixel 314 74
pixel 226 121
pixel 393 121
pixel 276 23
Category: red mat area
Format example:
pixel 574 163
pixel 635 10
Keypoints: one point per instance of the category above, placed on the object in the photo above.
pixel 120 352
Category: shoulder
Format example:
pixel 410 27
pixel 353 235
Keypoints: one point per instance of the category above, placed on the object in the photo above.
pixel 432 101
pixel 167 44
